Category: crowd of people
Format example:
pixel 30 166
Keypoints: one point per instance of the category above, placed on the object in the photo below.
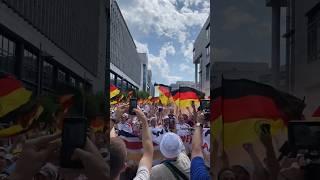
pixel 35 155
pixel 168 127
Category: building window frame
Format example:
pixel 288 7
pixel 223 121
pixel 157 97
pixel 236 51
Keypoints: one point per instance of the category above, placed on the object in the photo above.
pixel 208 50
pixel 313 34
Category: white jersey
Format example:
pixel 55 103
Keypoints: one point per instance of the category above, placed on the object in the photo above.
pixel 125 127
pixel 157 134
pixel 183 129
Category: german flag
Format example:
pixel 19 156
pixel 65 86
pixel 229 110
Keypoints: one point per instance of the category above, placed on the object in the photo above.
pixel 164 93
pixel 114 91
pixel 24 122
pixel 184 96
pixel 12 94
pixel 155 100
pixel 97 124
pixel 240 108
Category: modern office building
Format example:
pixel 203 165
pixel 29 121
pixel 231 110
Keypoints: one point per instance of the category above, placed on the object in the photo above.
pixel 44 43
pixel 149 81
pixel 303 47
pixel 144 71
pixel 201 59
pixel 183 84
pixel 125 62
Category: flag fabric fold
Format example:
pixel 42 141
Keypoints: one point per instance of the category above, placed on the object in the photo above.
pixel 114 91
pixel 241 107
pixel 184 96
pixel 12 94
pixel 164 93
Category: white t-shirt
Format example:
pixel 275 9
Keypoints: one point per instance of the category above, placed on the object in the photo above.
pixel 157 134
pixel 142 173
pixel 125 127
pixel 160 171
pixel 182 129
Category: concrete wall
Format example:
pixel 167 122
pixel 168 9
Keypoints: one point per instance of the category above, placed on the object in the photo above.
pixel 306 75
pixel 15 23
pixel 200 44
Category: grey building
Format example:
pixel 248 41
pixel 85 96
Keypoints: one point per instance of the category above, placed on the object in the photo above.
pixel 303 47
pixel 125 63
pixel 144 72
pixel 241 70
pixel 201 59
pixel 45 43
pixel 178 84
pixel 149 81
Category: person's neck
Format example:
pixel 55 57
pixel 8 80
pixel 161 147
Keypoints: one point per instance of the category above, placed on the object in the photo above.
pixel 117 178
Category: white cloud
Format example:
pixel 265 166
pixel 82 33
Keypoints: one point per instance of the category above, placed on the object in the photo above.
pixel 186 69
pixel 167 49
pixel 163 18
pixel 159 63
pixel 187 51
pixel 142 47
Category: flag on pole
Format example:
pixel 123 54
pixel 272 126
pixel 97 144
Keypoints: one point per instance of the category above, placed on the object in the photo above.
pixel 12 94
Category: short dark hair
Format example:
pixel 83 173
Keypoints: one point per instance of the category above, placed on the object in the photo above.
pixel 118 156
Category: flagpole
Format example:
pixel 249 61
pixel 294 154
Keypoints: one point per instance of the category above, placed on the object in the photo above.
pixel 222 110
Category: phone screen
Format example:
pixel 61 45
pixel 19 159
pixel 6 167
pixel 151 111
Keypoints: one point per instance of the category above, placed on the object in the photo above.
pixel 133 104
pixel 205 104
pixel 73 136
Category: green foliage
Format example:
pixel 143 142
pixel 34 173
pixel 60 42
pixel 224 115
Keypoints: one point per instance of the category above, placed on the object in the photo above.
pixel 142 95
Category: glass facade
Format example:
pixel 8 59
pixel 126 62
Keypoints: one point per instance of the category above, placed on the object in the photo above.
pixel 7 54
pixel 47 75
pixel 30 67
pixel 73 81
pixel 61 76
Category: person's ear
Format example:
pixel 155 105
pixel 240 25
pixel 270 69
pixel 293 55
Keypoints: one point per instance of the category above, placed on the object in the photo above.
pixel 125 166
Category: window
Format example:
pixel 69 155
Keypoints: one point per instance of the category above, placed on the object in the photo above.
pixel 208 32
pixel 47 75
pixel 7 54
pixel 314 34
pixel 194 52
pixel 208 72
pixel 112 77
pixel 208 50
pixel 73 81
pixel 30 67
pixel 61 76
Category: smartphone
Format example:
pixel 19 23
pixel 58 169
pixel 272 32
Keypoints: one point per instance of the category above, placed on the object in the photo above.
pixel 204 104
pixel 265 128
pixel 132 105
pixel 74 135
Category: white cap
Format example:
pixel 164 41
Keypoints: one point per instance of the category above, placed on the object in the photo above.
pixel 171 145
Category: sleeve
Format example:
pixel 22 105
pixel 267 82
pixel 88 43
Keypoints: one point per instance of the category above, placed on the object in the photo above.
pixel 142 174
pixel 198 169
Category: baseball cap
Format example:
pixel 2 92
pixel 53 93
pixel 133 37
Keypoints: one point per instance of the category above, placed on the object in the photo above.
pixel 171 145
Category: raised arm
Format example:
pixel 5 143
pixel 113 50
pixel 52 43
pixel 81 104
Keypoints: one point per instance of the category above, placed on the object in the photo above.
pixel 259 172
pixel 197 139
pixel 147 143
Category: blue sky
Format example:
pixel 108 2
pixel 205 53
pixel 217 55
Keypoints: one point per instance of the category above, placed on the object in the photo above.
pixel 166 30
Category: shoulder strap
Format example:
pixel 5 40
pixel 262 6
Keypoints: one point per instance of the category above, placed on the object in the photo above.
pixel 175 171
